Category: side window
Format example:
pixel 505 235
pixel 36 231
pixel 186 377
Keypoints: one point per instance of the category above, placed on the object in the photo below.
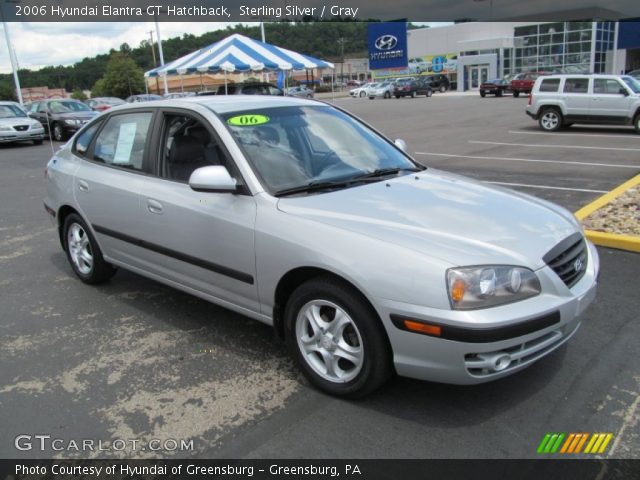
pixel 121 142
pixel 576 85
pixel 606 86
pixel 550 85
pixel 84 139
pixel 33 108
pixel 187 145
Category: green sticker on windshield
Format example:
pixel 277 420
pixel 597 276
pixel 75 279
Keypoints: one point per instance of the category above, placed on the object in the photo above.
pixel 248 120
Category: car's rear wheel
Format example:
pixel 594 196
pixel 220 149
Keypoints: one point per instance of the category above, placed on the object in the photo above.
pixel 58 133
pixel 636 123
pixel 516 93
pixel 443 89
pixel 83 252
pixel 550 120
pixel 336 338
pixel 363 94
pixel 483 93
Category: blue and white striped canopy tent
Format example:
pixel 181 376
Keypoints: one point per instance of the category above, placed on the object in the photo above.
pixel 237 54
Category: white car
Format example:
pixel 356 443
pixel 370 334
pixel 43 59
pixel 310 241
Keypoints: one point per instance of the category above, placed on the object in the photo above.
pixel 16 126
pixel 381 90
pixel 361 91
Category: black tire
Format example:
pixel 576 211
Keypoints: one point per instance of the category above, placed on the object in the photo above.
pixel 483 93
pixel 636 123
pixel 387 95
pixel 100 271
pixel 57 132
pixel 376 366
pixel 516 93
pixel 38 142
pixel 363 94
pixel 550 119
pixel 397 96
pixel 443 88
pixel 498 93
pixel 429 93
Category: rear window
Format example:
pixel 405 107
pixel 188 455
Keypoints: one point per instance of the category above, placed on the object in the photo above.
pixel 576 85
pixel 550 85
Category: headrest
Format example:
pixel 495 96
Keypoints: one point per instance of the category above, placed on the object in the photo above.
pixel 186 149
pixel 201 134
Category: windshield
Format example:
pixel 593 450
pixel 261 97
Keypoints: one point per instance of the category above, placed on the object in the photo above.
pixel 291 147
pixel 68 106
pixel 11 111
pixel 633 84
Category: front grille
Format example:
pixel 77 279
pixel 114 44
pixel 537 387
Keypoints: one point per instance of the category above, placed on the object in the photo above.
pixel 569 259
pixel 21 128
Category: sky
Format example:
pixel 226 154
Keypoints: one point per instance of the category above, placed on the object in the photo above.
pixel 41 44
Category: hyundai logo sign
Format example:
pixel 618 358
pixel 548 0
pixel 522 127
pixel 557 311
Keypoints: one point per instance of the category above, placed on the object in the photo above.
pixel 577 265
pixel 386 42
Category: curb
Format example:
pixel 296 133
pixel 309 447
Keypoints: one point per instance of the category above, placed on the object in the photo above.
pixel 612 240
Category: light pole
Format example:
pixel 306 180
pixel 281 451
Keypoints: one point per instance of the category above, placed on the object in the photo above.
pixel 164 77
pixel 12 55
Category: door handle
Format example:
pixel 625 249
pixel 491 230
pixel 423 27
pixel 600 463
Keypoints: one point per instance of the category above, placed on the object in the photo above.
pixel 154 206
pixel 83 186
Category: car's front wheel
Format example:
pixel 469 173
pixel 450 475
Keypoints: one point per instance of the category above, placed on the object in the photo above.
pixel 443 89
pixel 429 93
pixel 550 120
pixel 58 133
pixel 83 252
pixel 387 95
pixel 483 93
pixel 516 93
pixel 363 94
pixel 336 338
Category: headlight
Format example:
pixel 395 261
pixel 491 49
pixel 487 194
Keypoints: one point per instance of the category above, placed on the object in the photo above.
pixel 5 128
pixel 487 286
pixel 72 122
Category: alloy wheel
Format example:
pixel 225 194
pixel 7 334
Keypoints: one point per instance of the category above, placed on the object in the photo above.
pixel 80 249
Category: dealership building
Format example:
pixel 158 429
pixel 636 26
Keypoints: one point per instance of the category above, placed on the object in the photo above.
pixel 471 52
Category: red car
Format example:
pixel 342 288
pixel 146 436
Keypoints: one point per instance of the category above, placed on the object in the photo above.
pixel 100 104
pixel 523 82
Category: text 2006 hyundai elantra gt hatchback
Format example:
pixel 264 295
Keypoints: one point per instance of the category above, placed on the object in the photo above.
pixel 301 216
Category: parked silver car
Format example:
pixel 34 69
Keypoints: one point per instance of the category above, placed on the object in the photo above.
pixel 300 92
pixel 16 126
pixel 558 101
pixel 380 90
pixel 299 215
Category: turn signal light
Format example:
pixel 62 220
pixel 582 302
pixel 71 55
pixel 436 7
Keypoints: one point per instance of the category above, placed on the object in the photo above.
pixel 425 328
pixel 457 290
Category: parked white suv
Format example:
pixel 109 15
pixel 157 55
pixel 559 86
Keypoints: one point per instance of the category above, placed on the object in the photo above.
pixel 558 101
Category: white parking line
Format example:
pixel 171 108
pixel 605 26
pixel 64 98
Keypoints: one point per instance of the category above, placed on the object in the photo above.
pixel 547 187
pixel 554 146
pixel 585 134
pixel 511 159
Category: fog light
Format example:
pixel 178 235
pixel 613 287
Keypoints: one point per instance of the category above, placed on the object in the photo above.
pixel 502 362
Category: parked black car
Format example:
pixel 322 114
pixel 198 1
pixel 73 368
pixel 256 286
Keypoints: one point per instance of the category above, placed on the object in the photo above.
pixel 497 87
pixel 412 88
pixel 438 82
pixel 62 117
pixel 250 88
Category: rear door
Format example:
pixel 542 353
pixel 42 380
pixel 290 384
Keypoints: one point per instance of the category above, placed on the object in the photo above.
pixel 607 103
pixel 576 97
pixel 107 184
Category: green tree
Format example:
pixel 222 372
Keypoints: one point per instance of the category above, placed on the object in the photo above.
pixel 7 92
pixel 98 89
pixel 79 95
pixel 122 77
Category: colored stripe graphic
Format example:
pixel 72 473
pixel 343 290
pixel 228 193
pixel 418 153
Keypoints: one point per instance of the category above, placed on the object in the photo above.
pixel 573 443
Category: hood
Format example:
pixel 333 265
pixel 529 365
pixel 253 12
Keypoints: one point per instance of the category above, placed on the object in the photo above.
pixel 18 121
pixel 88 115
pixel 453 218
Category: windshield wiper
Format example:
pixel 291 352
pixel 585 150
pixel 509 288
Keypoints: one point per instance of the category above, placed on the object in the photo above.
pixel 313 186
pixel 382 172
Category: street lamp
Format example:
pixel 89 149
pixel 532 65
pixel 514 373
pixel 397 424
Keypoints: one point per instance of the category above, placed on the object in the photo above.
pixel 12 53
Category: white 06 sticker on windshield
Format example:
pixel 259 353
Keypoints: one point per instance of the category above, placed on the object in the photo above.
pixel 248 120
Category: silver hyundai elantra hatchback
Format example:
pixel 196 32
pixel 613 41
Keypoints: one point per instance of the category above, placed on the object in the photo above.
pixel 299 215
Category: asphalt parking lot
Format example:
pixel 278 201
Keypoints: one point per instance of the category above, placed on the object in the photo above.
pixel 133 359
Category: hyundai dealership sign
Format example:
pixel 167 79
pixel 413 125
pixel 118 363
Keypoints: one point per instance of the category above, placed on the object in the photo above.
pixel 387 45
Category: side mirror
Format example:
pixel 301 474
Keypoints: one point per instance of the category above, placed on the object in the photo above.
pixel 215 178
pixel 623 91
pixel 401 144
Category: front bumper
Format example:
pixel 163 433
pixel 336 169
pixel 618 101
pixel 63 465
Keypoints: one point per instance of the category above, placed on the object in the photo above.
pixel 490 355
pixel 35 133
